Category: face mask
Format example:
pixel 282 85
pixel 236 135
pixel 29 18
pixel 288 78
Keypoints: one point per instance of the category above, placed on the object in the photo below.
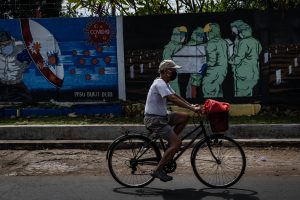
pixel 173 75
pixel 182 37
pixel 241 35
pixel 199 37
pixel 205 37
pixel 234 30
pixel 7 50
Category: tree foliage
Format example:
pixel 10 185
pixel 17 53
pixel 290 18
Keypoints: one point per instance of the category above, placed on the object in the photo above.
pixel 30 8
pixel 151 7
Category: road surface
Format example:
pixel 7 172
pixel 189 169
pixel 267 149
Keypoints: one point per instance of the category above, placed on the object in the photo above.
pixel 182 187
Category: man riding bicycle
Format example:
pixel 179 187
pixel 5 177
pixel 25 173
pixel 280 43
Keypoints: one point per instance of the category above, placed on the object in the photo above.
pixel 163 122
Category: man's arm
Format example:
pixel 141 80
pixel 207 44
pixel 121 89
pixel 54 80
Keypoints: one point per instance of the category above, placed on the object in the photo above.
pixel 179 101
pixel 182 99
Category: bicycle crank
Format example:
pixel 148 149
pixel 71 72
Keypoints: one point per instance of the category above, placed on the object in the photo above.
pixel 170 167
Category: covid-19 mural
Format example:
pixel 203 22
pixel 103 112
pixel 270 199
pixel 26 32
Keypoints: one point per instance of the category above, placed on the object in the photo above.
pixel 239 57
pixel 58 59
pixel 206 57
pixel 223 55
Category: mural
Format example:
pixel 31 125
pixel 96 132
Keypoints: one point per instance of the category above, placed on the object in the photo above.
pixel 58 59
pixel 282 63
pixel 179 36
pixel 44 51
pixel 216 58
pixel 207 55
pixel 240 57
pixel 14 60
pixel 211 61
pixel 245 59
pixel 197 38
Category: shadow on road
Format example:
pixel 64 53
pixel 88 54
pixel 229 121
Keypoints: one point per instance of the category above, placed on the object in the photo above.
pixel 191 193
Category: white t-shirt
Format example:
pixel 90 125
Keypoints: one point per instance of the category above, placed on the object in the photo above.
pixel 156 103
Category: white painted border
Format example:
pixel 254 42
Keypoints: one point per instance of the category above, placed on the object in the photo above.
pixel 120 55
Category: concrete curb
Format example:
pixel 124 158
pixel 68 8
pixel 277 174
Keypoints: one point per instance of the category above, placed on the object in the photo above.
pixel 104 144
pixel 33 137
pixel 112 131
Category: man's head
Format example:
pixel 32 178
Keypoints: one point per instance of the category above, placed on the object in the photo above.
pixel 167 64
pixel 167 69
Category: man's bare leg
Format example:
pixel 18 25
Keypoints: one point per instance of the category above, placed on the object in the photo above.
pixel 180 121
pixel 175 144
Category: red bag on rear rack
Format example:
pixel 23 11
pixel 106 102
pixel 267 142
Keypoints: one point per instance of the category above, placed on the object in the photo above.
pixel 217 114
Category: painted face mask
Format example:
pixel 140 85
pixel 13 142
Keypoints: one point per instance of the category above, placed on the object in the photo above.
pixel 7 50
pixel 234 30
pixel 199 37
pixel 241 35
pixel 205 37
pixel 182 37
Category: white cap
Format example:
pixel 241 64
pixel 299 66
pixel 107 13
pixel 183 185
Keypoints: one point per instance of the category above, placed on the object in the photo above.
pixel 167 64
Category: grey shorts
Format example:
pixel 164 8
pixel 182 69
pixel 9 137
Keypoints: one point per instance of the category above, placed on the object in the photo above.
pixel 161 125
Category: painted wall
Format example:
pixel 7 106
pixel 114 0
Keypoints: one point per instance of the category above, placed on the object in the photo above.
pixel 59 59
pixel 225 56
pixel 239 57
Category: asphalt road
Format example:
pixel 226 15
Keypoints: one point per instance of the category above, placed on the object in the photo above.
pixel 182 187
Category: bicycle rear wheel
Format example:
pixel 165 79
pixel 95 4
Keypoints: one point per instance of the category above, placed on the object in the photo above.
pixel 132 159
pixel 226 169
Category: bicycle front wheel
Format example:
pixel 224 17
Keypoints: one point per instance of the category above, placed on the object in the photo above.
pixel 132 159
pixel 219 162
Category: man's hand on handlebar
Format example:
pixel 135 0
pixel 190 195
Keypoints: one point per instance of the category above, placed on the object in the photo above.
pixel 197 109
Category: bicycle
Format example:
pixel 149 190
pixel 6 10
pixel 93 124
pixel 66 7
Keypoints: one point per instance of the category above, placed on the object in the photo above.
pixel 218 161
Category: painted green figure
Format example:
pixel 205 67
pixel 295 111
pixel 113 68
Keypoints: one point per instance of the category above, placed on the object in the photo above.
pixel 245 60
pixel 234 28
pixel 216 58
pixel 196 78
pixel 177 39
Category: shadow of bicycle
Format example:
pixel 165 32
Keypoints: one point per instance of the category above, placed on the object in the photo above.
pixel 190 193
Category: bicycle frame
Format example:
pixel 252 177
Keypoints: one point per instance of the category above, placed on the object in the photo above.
pixel 180 152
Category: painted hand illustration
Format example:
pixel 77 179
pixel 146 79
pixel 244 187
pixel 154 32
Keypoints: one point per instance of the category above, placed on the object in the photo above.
pixel 203 69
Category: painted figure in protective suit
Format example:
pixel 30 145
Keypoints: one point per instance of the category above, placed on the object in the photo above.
pixel 178 37
pixel 234 28
pixel 196 78
pixel 245 59
pixel 14 60
pixel 216 58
